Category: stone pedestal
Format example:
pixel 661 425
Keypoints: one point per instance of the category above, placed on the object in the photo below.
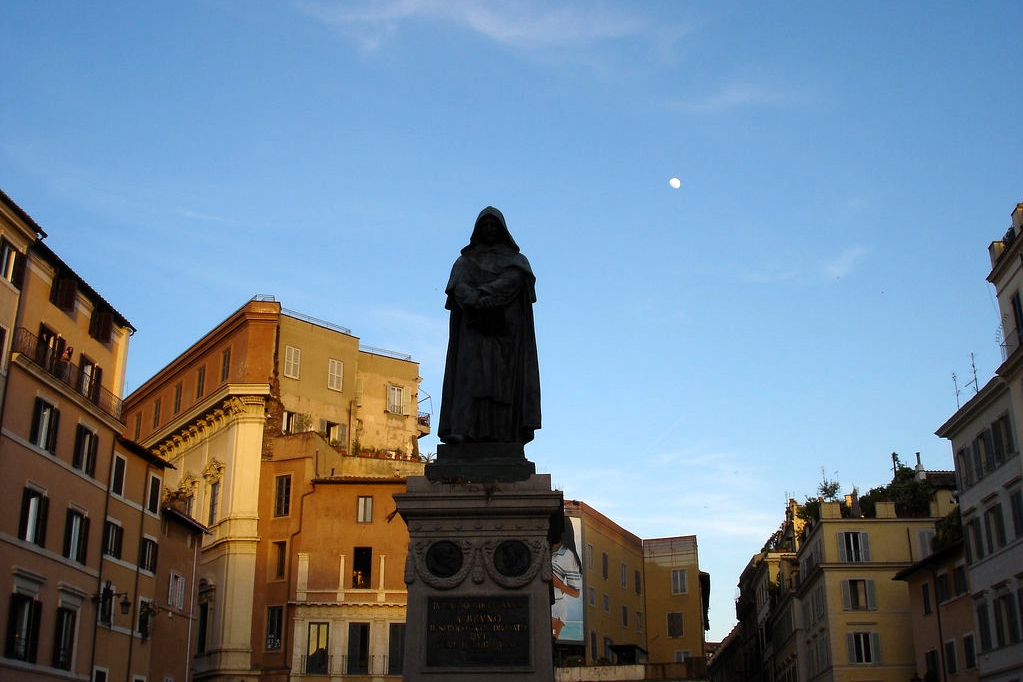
pixel 479 578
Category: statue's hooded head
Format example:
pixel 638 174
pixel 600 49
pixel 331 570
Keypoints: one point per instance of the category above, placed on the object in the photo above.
pixel 490 230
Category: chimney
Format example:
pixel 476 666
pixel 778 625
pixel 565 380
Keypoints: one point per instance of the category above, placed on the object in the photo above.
pixel 997 248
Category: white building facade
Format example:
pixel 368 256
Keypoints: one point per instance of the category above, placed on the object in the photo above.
pixel 985 435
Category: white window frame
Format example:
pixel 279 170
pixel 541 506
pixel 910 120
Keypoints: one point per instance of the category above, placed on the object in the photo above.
pixel 332 432
pixel 76 534
pixel 864 647
pixel 212 510
pixel 46 420
pixel 994 527
pixel 396 399
pixel 951 657
pixel 679 581
pixel 668 617
pixel 86 445
pixel 113 538
pixel 153 501
pixel 149 554
pixel 364 513
pixel 292 362
pixel 335 374
pixel 853 547
pixel 121 462
pixel 87 377
pixel 8 256
pixel 853 599
pixel 225 364
pixel 282 495
pixel 176 591
pixel 970 651
pixel 275 635
pixel 34 511
pixel 65 637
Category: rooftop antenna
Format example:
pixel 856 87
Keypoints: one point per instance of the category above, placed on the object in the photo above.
pixel 974 382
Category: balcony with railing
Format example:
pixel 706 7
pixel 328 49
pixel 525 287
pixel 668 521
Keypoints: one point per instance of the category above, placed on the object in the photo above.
pixel 359 667
pixel 84 381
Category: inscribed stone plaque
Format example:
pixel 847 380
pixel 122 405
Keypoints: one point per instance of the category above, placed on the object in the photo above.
pixel 477 632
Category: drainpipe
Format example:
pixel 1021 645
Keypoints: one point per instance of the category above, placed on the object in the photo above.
pixel 99 580
pixel 291 546
pixel 193 588
pixel 941 635
pixel 138 569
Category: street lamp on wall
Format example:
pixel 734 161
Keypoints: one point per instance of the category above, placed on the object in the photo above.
pixel 105 600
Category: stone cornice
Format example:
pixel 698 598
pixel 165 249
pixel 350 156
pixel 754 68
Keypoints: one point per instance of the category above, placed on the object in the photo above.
pixel 216 418
pixel 253 311
pixel 200 410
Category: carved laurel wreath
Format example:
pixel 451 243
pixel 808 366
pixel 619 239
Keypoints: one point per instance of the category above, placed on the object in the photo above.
pixel 477 563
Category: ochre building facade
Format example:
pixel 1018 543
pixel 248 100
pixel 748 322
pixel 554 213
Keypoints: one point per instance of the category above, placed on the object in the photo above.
pixel 287 439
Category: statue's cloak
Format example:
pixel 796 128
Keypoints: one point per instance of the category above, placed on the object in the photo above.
pixel 491 377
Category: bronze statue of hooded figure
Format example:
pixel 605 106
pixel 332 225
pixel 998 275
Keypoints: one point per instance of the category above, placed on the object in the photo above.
pixel 491 376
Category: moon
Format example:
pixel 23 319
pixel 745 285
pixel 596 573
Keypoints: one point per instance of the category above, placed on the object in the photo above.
pixel 675 183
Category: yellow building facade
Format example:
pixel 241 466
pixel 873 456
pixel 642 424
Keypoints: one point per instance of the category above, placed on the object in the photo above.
pixel 640 601
pixel 676 598
pixel 262 409
pixel 942 614
pixel 855 618
pixel 81 527
pixel 822 601
pixel 332 598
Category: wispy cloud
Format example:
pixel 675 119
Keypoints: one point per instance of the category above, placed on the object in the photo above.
pixel 845 263
pixel 523 25
pixel 767 276
pixel 804 268
pixel 208 217
pixel 410 329
pixel 717 484
pixel 738 96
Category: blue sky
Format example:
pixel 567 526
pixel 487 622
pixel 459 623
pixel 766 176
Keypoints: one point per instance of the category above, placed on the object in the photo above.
pixel 799 304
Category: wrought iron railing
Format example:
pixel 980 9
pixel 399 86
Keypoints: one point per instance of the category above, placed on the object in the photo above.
pixel 318 322
pixel 322 663
pixel 338 328
pixel 386 353
pixel 82 382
